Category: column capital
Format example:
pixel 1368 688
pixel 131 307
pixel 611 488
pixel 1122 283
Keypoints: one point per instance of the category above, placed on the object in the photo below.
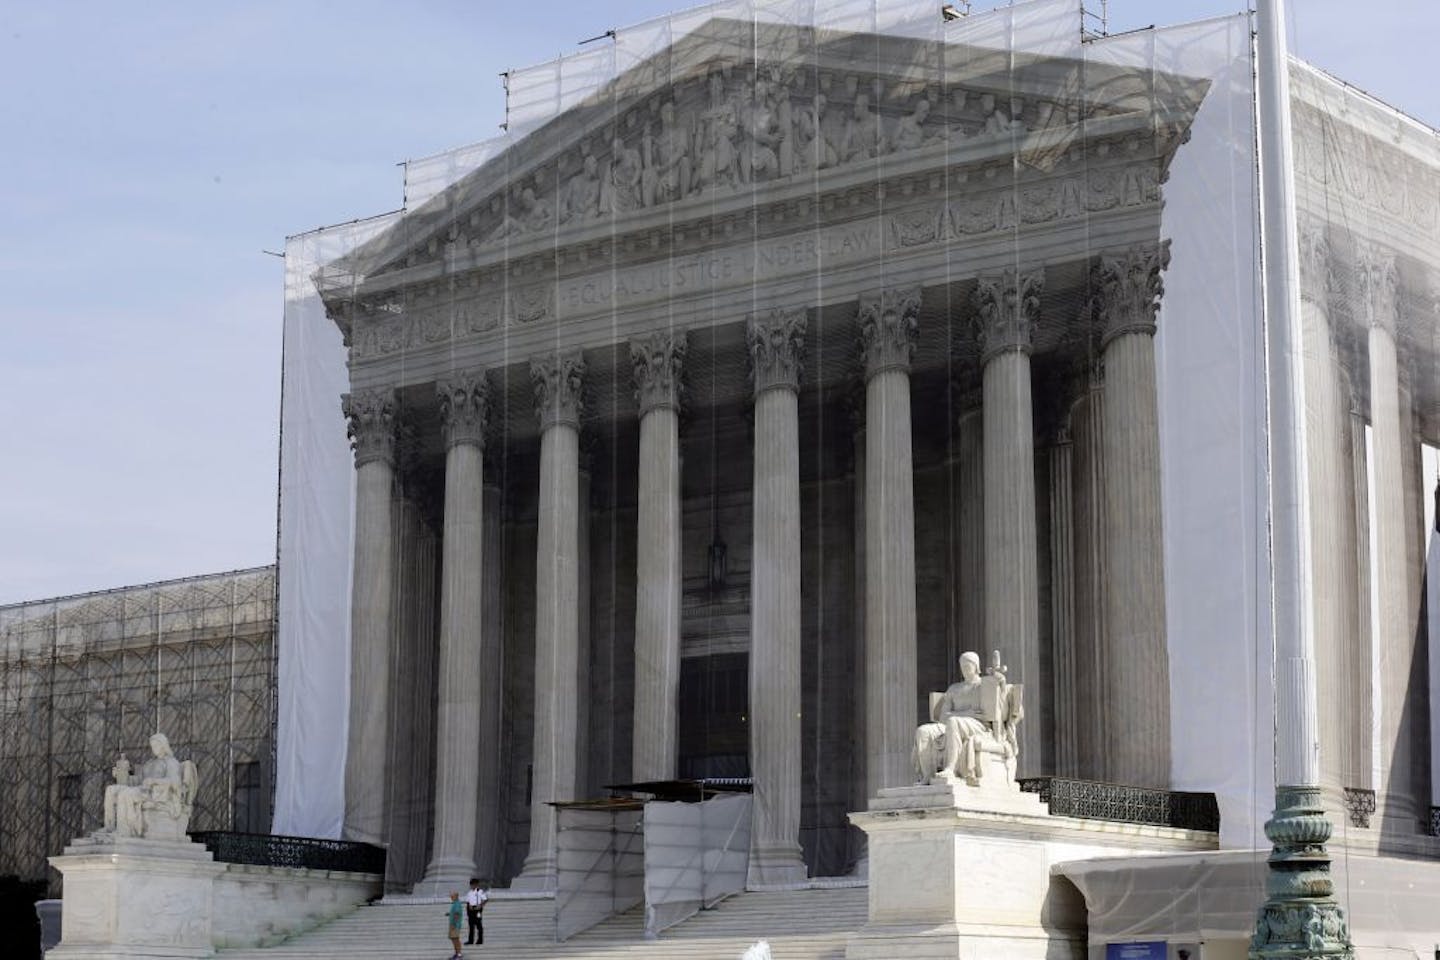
pixel 559 380
pixel 1127 287
pixel 370 424
pixel 889 327
pixel 1316 273
pixel 464 407
pixel 658 358
pixel 1007 307
pixel 1377 286
pixel 776 340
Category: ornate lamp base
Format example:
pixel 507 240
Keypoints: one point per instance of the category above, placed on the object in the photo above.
pixel 1300 919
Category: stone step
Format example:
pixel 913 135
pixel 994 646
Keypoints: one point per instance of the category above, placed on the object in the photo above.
pixel 800 925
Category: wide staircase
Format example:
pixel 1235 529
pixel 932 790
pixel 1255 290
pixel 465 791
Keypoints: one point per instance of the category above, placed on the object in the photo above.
pixel 799 925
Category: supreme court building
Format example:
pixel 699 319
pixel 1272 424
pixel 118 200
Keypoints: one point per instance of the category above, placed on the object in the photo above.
pixel 703 420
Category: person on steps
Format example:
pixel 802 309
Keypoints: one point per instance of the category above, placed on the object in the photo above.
pixel 452 917
pixel 474 906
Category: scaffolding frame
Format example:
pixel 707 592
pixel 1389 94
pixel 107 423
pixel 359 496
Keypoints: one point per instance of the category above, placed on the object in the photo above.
pixel 88 677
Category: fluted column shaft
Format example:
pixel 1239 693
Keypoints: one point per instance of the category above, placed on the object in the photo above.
pixel 1378 288
pixel 971 489
pixel 1008 307
pixel 1065 654
pixel 1363 771
pixel 1088 452
pixel 1331 527
pixel 462 402
pixel 888 328
pixel 776 342
pixel 489 842
pixel 656 745
pixel 370 415
pixel 1137 679
pixel 557 583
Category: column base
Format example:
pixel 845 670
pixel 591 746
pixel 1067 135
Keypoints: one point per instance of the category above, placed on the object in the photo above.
pixel 777 867
pixel 538 875
pixel 445 875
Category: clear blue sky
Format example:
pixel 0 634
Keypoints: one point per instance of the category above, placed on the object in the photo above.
pixel 152 151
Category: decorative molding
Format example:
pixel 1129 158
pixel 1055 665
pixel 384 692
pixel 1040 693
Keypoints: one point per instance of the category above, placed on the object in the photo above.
pixel 370 424
pixel 658 358
pixel 559 380
pixel 1007 307
pixel 1317 275
pixel 464 408
pixel 777 348
pixel 1377 286
pixel 1128 286
pixel 889 328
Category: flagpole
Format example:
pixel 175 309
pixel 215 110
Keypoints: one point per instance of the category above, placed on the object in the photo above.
pixel 1300 917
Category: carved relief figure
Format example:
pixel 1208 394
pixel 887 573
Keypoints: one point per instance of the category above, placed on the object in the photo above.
pixel 157 803
pixel 910 130
pixel 582 193
pixel 863 136
pixel 718 164
pixel 972 721
pixel 760 158
pixel 620 191
pixel 667 161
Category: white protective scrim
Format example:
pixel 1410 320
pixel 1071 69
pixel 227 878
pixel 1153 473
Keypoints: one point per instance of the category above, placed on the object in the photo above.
pixel 601 867
pixel 828 326
pixel 695 856
pixel 316 496
pixel 1210 383
pixel 1367 185
pixel 1212 897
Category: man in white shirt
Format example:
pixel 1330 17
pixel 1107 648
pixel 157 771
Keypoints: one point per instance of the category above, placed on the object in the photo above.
pixel 475 905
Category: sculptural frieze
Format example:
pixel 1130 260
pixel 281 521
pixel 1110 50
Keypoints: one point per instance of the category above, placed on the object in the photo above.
pixel 154 804
pixel 971 735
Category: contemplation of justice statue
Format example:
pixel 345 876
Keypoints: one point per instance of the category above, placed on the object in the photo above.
pixel 155 805
pixel 971 736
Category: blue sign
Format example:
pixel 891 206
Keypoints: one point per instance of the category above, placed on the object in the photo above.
pixel 1149 950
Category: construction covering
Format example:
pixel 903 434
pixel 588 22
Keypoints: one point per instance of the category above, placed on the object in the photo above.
pixel 697 170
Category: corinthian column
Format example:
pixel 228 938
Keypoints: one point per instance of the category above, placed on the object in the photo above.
pixel 462 402
pixel 776 343
pixel 1378 284
pixel 371 427
pixel 1007 307
pixel 1137 679
pixel 657 358
pixel 558 379
pixel 1331 527
pixel 888 328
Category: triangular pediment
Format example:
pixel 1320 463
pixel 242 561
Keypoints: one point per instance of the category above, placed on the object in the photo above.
pixel 732 107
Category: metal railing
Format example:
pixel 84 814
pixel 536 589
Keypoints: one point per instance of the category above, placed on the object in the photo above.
pixel 1094 800
pixel 312 853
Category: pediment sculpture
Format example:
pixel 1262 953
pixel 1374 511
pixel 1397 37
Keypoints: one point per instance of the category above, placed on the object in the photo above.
pixel 154 804
pixel 971 738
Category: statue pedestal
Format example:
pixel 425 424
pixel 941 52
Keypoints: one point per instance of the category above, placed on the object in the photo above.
pixel 133 898
pixel 963 873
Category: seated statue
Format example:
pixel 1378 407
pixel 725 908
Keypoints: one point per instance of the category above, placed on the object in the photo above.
pixel 972 727
pixel 156 804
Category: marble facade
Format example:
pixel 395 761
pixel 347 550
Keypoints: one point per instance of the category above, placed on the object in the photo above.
pixel 580 308
pixel 757 378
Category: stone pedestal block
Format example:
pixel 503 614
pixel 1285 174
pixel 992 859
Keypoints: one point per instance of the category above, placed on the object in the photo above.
pixel 133 898
pixel 959 883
